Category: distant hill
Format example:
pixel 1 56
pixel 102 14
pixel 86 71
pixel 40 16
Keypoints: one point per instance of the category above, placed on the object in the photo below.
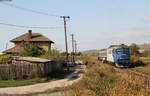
pixel 144 46
pixel 141 46
pixel 91 51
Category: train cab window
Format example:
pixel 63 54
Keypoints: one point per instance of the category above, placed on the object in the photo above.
pixel 118 51
pixel 122 51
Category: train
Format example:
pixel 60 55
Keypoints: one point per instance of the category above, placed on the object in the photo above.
pixel 118 55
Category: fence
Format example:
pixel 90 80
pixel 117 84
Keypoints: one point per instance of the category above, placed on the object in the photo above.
pixel 24 71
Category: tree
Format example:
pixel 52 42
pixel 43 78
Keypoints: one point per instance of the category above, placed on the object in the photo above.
pixel 79 53
pixel 30 49
pixel 53 54
pixel 134 49
pixel 64 54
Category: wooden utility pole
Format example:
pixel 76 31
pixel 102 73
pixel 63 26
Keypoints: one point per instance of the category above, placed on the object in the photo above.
pixel 75 46
pixel 73 59
pixel 65 29
pixel 66 42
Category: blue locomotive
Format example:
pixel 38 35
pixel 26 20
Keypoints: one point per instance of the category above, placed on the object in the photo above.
pixel 119 55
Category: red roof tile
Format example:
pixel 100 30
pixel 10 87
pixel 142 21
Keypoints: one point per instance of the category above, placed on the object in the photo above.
pixel 12 50
pixel 34 37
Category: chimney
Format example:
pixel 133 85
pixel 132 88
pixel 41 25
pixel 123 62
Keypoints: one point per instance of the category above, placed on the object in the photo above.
pixel 30 34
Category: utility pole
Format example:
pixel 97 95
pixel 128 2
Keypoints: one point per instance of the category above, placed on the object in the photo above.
pixel 73 59
pixel 65 29
pixel 75 46
pixel 66 42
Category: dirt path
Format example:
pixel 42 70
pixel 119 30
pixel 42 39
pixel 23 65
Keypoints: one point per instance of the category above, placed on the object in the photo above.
pixel 37 88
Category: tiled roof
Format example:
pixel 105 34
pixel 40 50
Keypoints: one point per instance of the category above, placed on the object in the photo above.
pixel 31 59
pixel 12 50
pixel 35 37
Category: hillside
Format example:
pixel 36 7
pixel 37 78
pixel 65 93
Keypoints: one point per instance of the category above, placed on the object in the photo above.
pixel 144 46
pixel 91 51
pixel 141 46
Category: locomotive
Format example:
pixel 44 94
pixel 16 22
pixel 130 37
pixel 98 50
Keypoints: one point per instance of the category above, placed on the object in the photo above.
pixel 118 55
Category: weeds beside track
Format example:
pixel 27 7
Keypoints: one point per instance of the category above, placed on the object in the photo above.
pixel 135 72
pixel 139 73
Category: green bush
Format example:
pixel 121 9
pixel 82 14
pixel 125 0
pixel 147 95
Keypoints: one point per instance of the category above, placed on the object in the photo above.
pixel 31 49
pixel 53 55
pixel 4 58
pixel 134 49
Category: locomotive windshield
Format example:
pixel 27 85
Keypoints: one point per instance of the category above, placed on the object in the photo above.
pixel 122 51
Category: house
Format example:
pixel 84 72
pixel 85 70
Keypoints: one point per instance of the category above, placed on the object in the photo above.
pixel 36 38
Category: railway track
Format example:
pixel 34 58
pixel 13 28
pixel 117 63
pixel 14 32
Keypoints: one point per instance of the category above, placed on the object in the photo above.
pixel 139 73
pixel 143 75
pixel 134 75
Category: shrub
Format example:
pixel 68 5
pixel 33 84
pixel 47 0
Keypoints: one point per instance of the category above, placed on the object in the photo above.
pixel 134 49
pixel 4 58
pixel 53 55
pixel 31 49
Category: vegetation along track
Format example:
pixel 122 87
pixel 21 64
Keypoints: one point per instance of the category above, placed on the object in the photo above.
pixel 143 74
pixel 138 74
pixel 135 72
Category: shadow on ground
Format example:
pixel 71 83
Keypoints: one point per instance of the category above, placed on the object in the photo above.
pixel 58 75
pixel 137 64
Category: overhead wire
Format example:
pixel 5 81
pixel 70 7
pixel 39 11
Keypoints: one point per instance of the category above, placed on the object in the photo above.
pixel 29 10
pixel 21 26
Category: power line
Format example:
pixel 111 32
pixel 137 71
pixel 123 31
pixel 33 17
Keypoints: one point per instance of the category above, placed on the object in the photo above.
pixel 21 26
pixel 5 0
pixel 29 10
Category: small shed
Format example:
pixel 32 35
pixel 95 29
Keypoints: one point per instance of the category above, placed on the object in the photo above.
pixel 45 66
pixel 28 67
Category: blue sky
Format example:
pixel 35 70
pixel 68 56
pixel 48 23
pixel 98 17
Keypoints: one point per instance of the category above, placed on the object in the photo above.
pixel 95 23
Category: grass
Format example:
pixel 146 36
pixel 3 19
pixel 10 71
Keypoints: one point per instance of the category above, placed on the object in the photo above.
pixel 51 77
pixel 145 69
pixel 15 83
pixel 145 61
pixel 63 90
pixel 104 80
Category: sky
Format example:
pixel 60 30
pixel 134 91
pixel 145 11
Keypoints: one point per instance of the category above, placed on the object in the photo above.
pixel 96 23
